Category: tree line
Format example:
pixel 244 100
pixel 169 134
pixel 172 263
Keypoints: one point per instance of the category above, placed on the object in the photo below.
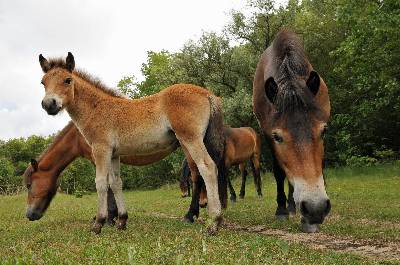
pixel 352 44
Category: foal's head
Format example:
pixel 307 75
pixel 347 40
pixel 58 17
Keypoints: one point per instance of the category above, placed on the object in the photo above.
pixel 58 83
pixel 42 187
pixel 297 136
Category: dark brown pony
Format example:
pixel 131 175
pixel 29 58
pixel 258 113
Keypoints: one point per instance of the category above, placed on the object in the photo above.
pixel 42 176
pixel 291 103
pixel 242 145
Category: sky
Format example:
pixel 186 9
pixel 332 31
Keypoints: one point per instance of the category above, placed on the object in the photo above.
pixel 109 39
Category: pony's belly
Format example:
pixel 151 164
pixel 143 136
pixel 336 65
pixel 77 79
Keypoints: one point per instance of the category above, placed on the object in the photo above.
pixel 152 143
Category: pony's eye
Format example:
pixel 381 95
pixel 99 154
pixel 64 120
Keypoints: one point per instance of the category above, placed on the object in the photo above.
pixel 42 82
pixel 68 81
pixel 277 138
pixel 28 186
pixel 323 132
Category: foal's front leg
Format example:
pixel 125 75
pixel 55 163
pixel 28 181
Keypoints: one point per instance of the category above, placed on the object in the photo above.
pixel 102 159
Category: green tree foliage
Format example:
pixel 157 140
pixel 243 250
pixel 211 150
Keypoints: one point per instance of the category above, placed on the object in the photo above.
pixel 354 45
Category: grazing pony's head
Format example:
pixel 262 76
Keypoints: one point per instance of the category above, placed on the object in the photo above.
pixel 42 187
pixel 58 83
pixel 298 126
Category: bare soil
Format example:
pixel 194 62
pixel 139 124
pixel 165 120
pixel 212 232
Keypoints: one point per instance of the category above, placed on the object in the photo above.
pixel 369 248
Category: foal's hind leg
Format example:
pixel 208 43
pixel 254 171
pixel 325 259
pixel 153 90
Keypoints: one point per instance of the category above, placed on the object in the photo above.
pixel 243 173
pixel 115 182
pixel 255 167
pixel 208 170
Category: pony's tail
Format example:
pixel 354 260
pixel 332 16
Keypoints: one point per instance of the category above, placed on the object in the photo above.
pixel 214 141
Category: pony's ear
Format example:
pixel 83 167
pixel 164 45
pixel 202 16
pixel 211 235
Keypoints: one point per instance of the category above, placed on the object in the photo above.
pixel 44 64
pixel 70 62
pixel 313 82
pixel 34 164
pixel 271 89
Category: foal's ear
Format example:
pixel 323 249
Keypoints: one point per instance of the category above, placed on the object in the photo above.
pixel 313 82
pixel 70 62
pixel 271 89
pixel 34 164
pixel 44 64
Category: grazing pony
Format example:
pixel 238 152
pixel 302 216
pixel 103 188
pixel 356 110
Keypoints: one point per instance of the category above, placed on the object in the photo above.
pixel 242 145
pixel 115 126
pixel 42 176
pixel 291 103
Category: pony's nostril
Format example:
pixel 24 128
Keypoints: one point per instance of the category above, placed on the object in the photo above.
pixel 328 206
pixel 53 102
pixel 43 104
pixel 303 208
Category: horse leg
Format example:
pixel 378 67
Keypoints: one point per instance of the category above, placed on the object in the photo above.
pixel 197 183
pixel 281 211
pixel 203 193
pixel 102 157
pixel 208 170
pixel 291 203
pixel 115 182
pixel 112 207
pixel 184 180
pixel 255 167
pixel 243 173
pixel 231 190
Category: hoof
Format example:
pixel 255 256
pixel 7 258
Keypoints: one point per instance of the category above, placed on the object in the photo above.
pixel 111 222
pixel 96 228
pixel 233 199
pixel 292 211
pixel 259 195
pixel 188 218
pixel 121 225
pixel 241 196
pixel 213 225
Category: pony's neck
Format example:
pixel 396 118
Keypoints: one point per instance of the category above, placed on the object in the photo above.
pixel 86 99
pixel 61 154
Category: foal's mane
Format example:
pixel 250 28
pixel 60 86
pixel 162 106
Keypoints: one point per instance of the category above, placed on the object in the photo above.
pixel 61 63
pixel 28 172
pixel 292 64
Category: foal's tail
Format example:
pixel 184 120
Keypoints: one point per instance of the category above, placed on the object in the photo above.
pixel 214 141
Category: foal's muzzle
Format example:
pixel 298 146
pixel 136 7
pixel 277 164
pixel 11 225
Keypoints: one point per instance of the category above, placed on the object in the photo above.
pixel 50 106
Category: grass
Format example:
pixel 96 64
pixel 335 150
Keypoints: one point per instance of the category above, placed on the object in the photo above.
pixel 365 206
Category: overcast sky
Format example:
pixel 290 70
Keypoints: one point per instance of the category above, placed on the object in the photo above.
pixel 109 39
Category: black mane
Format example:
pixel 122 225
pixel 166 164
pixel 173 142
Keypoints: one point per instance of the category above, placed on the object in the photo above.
pixel 294 101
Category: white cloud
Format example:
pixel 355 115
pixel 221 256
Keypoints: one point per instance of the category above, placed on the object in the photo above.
pixel 109 39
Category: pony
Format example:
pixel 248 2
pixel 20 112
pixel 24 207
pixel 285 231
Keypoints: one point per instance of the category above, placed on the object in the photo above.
pixel 291 104
pixel 114 126
pixel 42 175
pixel 242 145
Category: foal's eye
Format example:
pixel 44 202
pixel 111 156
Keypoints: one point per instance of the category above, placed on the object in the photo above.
pixel 28 186
pixel 42 82
pixel 277 138
pixel 68 81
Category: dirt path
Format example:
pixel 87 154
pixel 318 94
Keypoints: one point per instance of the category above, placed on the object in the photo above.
pixel 368 248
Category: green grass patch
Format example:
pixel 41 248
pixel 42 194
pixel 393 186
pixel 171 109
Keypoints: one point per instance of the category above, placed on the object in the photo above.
pixel 365 205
